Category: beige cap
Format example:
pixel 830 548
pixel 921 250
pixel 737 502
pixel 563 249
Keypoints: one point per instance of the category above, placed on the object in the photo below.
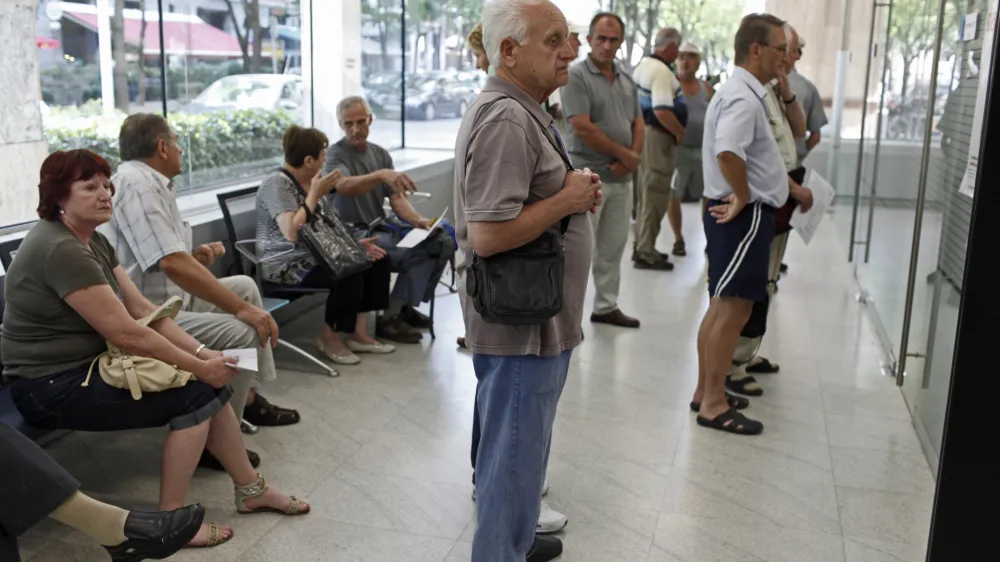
pixel 691 48
pixel 578 28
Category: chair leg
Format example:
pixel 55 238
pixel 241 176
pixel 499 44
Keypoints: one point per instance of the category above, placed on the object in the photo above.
pixel 433 335
pixel 305 354
pixel 248 428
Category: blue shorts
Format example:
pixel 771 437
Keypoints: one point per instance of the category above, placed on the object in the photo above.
pixel 739 252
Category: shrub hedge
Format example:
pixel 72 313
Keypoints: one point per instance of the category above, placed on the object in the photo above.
pixel 210 140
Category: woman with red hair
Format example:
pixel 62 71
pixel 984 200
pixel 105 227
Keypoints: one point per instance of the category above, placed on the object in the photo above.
pixel 67 296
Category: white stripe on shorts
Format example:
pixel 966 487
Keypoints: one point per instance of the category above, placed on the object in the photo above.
pixel 741 251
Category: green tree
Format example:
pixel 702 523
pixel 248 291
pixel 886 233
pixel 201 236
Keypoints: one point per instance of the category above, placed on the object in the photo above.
pixel 710 24
pixel 248 31
pixel 118 49
pixel 386 17
pixel 913 33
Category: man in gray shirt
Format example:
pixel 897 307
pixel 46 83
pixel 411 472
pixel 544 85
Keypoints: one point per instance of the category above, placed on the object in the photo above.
pixel 367 179
pixel 511 186
pixel 809 99
pixel 602 105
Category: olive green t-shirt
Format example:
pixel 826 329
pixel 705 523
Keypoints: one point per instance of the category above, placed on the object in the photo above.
pixel 42 334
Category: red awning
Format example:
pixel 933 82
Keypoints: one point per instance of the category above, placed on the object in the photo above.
pixel 194 37
pixel 47 43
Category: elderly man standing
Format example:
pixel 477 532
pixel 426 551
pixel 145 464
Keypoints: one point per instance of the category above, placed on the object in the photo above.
pixel 602 107
pixel 688 179
pixel 809 98
pixel 367 179
pixel 154 245
pixel 513 184
pixel 745 183
pixel 665 115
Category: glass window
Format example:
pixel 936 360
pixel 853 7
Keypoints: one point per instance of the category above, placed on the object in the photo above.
pixel 382 68
pixel 441 76
pixel 234 84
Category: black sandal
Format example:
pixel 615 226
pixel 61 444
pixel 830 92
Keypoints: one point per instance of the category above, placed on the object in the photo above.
pixel 746 386
pixel 262 413
pixel 764 367
pixel 738 402
pixel 732 421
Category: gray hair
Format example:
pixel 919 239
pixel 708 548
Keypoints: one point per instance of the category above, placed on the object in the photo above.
pixel 667 37
pixel 504 19
pixel 349 101
pixel 140 134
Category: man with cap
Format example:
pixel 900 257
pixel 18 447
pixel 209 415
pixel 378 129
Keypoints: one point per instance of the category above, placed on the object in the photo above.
pixel 664 115
pixel 553 105
pixel 602 109
pixel 688 179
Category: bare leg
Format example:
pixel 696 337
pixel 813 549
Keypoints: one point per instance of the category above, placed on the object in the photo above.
pixel 360 334
pixel 181 452
pixel 703 331
pixel 720 344
pixel 676 218
pixel 333 342
pixel 226 442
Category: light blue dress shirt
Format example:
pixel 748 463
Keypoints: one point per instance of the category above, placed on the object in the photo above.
pixel 736 122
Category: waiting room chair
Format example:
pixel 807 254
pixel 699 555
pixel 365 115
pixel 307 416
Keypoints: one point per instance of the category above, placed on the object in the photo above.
pixel 239 214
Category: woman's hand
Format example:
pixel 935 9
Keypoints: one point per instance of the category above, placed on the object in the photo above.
pixel 322 185
pixel 373 251
pixel 216 371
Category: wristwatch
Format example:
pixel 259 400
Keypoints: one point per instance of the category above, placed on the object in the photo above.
pixel 789 102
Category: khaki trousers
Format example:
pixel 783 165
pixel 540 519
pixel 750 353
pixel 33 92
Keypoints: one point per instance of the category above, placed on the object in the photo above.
pixel 610 224
pixel 220 331
pixel 655 174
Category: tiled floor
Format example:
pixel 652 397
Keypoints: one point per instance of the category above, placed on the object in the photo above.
pixel 382 452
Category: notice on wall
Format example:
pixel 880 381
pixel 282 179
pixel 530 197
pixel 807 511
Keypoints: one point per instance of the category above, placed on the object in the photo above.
pixel 967 26
pixel 968 186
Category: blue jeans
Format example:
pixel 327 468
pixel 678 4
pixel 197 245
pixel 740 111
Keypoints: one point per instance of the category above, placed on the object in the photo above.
pixel 517 400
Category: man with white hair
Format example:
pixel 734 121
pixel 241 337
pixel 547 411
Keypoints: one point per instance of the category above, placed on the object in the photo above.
pixel 809 99
pixel 665 115
pixel 513 183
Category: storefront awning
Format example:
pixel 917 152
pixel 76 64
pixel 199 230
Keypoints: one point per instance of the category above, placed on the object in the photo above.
pixel 182 34
pixel 47 43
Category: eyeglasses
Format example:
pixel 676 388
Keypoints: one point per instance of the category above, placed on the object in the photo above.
pixel 782 48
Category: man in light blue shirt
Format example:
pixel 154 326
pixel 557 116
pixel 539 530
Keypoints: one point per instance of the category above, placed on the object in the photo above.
pixel 745 182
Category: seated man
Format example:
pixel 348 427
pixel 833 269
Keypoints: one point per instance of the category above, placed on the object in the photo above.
pixel 367 178
pixel 154 245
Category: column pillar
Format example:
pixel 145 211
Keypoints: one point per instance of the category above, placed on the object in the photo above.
pixel 22 146
pixel 331 58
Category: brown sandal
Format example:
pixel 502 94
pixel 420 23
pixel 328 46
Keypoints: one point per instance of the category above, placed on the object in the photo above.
pixel 257 489
pixel 214 537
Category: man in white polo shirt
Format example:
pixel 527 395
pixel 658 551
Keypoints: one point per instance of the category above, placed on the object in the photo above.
pixel 745 182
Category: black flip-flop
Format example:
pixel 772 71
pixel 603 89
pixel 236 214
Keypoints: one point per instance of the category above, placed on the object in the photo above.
pixel 732 421
pixel 738 402
pixel 765 367
pixel 746 386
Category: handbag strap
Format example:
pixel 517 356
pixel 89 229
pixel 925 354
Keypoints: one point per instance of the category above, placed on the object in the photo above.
pixel 301 191
pixel 564 224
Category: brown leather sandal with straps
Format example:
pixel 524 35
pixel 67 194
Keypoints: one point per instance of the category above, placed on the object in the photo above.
pixel 215 537
pixel 256 490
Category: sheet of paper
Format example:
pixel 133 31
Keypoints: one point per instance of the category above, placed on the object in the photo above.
pixel 969 22
pixel 247 358
pixel 414 237
pixel 968 185
pixel 806 224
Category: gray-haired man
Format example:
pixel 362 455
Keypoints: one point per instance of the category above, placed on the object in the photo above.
pixel 154 245
pixel 367 179
pixel 665 115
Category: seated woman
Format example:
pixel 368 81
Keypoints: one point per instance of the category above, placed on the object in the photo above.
pixel 282 201
pixel 33 486
pixel 67 296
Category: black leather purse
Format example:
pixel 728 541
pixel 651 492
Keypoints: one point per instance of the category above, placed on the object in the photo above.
pixel 523 286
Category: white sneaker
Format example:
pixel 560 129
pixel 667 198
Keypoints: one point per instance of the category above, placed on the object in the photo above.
pixel 550 521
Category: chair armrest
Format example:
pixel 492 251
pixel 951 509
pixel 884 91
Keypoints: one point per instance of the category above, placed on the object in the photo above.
pixel 248 249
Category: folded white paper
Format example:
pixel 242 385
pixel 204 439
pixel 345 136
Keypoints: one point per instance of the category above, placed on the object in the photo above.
pixel 247 358
pixel 807 223
pixel 414 237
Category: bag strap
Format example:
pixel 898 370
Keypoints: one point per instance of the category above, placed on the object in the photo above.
pixel 564 224
pixel 301 191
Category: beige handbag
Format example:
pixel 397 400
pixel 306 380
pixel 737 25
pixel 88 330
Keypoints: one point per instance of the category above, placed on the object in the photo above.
pixel 141 374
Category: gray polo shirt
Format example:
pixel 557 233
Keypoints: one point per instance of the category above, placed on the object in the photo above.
pixel 812 106
pixel 612 107
pixel 503 162
pixel 364 208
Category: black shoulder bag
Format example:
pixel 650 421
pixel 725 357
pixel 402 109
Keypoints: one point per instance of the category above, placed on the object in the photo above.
pixel 523 286
pixel 329 241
